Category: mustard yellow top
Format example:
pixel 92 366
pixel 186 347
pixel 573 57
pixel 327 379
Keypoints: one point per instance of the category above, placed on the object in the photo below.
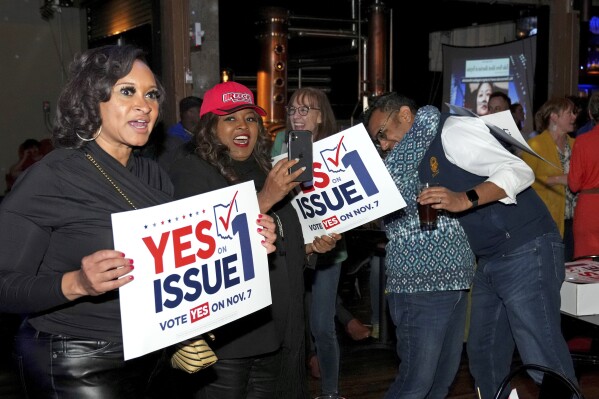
pixel 554 196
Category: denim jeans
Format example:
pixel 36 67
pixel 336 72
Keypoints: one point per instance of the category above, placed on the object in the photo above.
pixel 516 300
pixel 322 325
pixel 374 284
pixel 430 329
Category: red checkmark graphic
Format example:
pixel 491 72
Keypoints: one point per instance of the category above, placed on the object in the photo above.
pixel 226 222
pixel 336 160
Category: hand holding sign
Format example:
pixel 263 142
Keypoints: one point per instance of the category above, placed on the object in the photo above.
pixel 351 186
pixel 199 265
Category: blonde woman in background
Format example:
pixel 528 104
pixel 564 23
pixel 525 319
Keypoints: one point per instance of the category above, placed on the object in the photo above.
pixel 555 119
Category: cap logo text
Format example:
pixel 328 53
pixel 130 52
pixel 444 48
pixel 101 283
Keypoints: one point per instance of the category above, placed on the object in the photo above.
pixel 237 98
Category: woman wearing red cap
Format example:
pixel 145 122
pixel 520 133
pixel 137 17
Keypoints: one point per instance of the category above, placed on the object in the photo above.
pixel 262 354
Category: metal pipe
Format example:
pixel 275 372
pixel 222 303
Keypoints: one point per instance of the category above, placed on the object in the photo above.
pixel 390 88
pixel 319 61
pixel 272 72
pixel 313 32
pixel 298 17
pixel 377 58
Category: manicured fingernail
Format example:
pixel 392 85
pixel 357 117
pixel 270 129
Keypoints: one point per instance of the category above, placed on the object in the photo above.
pixel 123 254
pixel 263 241
pixel 130 277
pixel 130 261
pixel 132 267
pixel 259 230
pixel 260 216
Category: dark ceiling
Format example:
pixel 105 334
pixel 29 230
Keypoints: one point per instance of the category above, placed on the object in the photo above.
pixel 412 23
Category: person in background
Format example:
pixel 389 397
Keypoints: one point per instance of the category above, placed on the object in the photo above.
pixel 589 124
pixel 580 111
pixel 518 114
pixel 179 133
pixel 429 272
pixel 519 251
pixel 29 153
pixel 310 109
pixel 46 146
pixel 583 178
pixel 499 101
pixel 189 116
pixel 58 267
pixel 354 328
pixel 554 120
pixel 263 354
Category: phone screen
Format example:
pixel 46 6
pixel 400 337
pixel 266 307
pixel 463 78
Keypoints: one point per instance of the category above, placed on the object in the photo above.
pixel 300 147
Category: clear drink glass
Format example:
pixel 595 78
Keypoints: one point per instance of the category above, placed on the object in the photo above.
pixel 426 213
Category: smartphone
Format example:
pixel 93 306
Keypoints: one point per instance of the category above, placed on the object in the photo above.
pixel 300 147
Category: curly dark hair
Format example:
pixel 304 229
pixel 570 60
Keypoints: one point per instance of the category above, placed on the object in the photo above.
pixel 209 147
pixel 93 74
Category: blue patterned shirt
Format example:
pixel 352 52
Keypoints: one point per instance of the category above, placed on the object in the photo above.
pixel 417 260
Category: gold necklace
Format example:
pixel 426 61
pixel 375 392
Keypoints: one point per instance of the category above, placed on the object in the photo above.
pixel 93 161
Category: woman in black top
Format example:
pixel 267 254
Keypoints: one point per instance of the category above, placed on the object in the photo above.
pixel 55 267
pixel 262 352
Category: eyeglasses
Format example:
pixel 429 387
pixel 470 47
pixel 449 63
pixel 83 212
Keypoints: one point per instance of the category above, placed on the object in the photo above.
pixel 380 134
pixel 303 110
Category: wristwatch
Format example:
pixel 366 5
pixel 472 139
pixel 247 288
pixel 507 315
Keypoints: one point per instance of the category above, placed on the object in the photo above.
pixel 472 197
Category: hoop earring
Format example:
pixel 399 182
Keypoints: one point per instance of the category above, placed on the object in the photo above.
pixel 93 138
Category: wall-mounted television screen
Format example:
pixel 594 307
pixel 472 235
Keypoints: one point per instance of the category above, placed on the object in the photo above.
pixel 471 74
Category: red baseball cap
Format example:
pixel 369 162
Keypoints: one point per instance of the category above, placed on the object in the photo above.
pixel 228 97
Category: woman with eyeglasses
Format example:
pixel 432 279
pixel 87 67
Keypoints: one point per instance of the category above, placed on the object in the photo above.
pixel 310 109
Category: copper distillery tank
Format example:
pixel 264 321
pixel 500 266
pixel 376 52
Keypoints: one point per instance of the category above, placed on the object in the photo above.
pixel 377 50
pixel 272 71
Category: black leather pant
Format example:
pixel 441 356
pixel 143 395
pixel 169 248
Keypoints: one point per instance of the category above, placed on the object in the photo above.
pixel 247 378
pixel 57 366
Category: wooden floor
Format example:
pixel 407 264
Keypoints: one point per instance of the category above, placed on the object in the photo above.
pixel 369 367
pixel 368 370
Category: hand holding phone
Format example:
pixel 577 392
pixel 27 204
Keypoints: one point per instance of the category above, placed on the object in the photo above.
pixel 300 147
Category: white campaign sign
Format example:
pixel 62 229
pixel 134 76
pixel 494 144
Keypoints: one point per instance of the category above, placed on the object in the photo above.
pixel 198 264
pixel 502 126
pixel 351 185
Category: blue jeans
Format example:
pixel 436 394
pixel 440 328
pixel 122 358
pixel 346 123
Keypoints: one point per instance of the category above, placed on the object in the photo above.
pixel 516 301
pixel 430 328
pixel 374 284
pixel 322 325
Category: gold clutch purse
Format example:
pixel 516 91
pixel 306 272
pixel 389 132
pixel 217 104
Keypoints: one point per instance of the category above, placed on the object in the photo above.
pixel 193 355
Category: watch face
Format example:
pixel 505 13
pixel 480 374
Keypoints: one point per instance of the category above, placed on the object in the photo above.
pixel 472 195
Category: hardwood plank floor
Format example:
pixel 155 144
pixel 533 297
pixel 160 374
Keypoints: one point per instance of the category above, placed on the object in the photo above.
pixel 369 367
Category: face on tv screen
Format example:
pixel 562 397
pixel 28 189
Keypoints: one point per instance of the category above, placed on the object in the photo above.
pixel 471 74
